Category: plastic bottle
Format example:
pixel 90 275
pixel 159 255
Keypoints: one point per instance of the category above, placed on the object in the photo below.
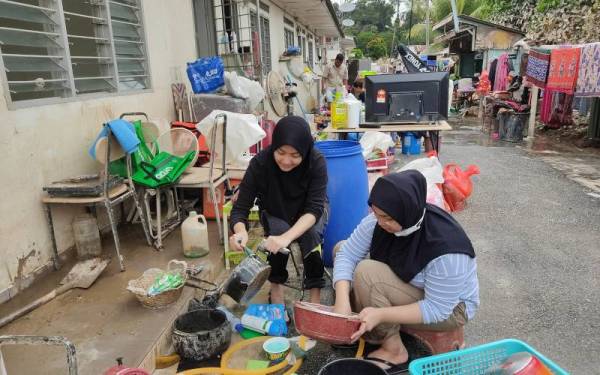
pixel 271 328
pixel 87 237
pixel 194 235
pixel 233 320
pixel 233 39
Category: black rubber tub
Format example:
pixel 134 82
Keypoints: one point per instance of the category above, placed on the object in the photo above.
pixel 351 366
pixel 201 334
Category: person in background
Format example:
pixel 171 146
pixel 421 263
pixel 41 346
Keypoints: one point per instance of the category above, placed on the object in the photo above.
pixel 335 75
pixel 357 89
pixel 289 181
pixel 421 270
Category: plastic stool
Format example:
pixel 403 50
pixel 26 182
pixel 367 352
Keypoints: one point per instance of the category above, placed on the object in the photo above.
pixel 439 341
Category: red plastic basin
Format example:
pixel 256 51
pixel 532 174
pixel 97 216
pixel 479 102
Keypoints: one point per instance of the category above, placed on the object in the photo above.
pixel 319 322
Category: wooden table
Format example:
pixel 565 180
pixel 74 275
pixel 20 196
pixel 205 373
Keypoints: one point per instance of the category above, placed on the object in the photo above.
pixel 434 128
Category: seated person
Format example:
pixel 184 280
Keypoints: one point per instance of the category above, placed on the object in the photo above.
pixel 357 90
pixel 289 181
pixel 421 273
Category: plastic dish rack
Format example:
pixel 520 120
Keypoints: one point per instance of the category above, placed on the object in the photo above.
pixel 476 360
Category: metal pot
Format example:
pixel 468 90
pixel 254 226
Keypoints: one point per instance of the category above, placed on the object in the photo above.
pixel 201 334
pixel 247 278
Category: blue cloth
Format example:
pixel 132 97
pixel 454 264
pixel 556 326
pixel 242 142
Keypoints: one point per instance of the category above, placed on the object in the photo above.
pixel 124 132
pixel 446 280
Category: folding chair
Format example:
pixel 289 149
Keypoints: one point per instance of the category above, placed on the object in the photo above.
pixel 109 198
pixel 211 177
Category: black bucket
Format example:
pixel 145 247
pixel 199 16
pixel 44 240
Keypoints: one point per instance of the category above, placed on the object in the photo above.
pixel 513 127
pixel 351 366
pixel 201 334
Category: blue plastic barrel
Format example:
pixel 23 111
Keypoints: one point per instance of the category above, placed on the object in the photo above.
pixel 411 144
pixel 347 190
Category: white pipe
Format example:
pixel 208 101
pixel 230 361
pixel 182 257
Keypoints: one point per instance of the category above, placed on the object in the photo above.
pixel 454 15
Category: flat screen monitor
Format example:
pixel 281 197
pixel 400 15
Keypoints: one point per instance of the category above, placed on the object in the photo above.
pixel 406 98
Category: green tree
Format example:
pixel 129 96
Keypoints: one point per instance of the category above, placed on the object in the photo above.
pixel 363 38
pixel 371 15
pixel 442 8
pixel 357 53
pixel 376 48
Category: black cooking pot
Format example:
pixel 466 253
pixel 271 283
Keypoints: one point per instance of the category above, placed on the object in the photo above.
pixel 201 334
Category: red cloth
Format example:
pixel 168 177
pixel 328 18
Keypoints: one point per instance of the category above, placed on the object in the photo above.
pixel 564 66
pixel 501 79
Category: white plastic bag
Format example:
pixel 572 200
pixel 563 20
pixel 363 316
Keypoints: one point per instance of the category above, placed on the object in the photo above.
pixel 234 86
pixel 256 93
pixel 432 169
pixel 375 140
pixel 242 132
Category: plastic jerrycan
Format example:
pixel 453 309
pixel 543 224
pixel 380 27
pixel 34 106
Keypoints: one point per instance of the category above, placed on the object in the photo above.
pixel 194 235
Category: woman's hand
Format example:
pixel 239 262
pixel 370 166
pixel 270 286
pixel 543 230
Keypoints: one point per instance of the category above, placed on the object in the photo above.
pixel 238 240
pixel 370 318
pixel 276 243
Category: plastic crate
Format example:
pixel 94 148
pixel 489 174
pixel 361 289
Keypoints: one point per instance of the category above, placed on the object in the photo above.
pixel 476 360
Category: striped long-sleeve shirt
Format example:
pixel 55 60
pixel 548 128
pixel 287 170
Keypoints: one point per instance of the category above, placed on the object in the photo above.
pixel 446 280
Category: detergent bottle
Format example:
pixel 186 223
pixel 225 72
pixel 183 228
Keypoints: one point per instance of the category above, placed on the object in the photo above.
pixel 194 235
pixel 339 112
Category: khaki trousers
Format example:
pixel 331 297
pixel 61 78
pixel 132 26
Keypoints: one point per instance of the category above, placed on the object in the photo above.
pixel 376 285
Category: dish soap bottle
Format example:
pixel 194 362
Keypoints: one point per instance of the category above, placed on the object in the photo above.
pixel 194 235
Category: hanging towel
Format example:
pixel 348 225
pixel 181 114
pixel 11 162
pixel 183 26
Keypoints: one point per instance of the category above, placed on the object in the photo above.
pixel 588 82
pixel 546 109
pixel 564 65
pixel 501 80
pixel 538 64
pixel 124 132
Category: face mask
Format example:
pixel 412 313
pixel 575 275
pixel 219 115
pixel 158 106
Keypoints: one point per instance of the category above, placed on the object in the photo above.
pixel 411 230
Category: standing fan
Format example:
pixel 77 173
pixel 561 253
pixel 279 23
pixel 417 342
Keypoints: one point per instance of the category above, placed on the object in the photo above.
pixel 281 94
pixel 277 93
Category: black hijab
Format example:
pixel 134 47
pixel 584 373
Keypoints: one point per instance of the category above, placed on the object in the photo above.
pixel 287 191
pixel 403 197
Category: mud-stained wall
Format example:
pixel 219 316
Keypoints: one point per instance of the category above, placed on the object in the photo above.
pixel 46 143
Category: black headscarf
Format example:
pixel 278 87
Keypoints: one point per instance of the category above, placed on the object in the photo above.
pixel 286 191
pixel 403 197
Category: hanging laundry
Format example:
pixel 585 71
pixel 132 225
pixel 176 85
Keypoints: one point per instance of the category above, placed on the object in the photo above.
pixel 501 78
pixel 564 65
pixel 523 64
pixel 557 109
pixel 493 65
pixel 538 64
pixel 588 82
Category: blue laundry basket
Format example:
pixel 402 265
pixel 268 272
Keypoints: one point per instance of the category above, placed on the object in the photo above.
pixel 476 360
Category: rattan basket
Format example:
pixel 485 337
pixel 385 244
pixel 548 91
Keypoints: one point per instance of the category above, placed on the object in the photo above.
pixel 139 286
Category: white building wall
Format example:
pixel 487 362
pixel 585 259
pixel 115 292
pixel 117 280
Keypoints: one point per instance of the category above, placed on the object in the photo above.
pixel 46 143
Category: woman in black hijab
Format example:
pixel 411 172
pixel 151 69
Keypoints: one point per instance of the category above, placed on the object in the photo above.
pixel 421 272
pixel 289 181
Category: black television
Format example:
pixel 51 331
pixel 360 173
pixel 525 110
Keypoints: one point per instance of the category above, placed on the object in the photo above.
pixel 406 98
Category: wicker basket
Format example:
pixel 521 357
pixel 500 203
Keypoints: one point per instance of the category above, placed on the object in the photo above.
pixel 140 286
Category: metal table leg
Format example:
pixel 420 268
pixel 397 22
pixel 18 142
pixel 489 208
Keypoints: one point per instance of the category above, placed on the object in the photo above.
pixel 113 227
pixel 55 258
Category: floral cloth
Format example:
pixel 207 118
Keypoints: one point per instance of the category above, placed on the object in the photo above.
pixel 564 66
pixel 588 82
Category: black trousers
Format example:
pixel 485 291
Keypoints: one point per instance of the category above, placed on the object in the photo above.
pixel 309 241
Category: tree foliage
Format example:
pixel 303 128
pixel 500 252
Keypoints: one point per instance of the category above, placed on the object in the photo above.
pixel 376 48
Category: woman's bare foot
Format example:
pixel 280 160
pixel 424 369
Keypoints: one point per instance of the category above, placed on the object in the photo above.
pixel 392 350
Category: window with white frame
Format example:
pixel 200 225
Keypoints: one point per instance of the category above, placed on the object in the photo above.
pixel 288 37
pixel 52 49
pixel 265 39
pixel 288 32
pixel 311 54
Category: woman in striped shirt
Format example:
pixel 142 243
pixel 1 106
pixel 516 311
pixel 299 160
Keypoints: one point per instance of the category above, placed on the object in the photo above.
pixel 421 272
